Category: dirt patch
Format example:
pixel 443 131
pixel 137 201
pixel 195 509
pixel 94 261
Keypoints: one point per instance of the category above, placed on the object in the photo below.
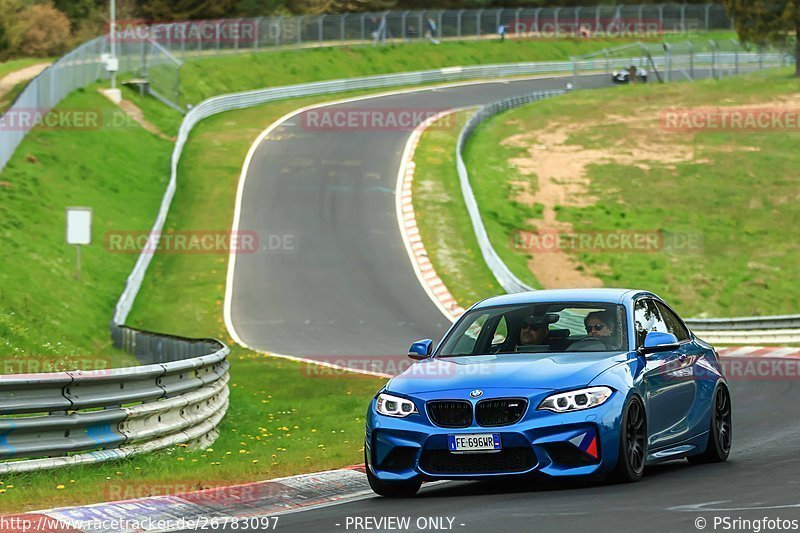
pixel 560 170
pixel 133 111
pixel 12 79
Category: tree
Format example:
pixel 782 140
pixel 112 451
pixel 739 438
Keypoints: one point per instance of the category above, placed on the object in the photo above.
pixel 767 22
pixel 40 30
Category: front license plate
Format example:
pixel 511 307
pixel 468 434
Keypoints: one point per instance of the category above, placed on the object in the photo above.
pixel 474 442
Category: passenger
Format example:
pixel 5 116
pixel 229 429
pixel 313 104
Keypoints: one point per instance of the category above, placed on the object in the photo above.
pixel 599 324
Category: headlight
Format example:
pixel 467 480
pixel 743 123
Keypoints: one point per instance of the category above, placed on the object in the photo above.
pixel 576 400
pixel 393 406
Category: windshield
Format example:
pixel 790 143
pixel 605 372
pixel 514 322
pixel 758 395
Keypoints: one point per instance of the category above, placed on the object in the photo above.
pixel 539 328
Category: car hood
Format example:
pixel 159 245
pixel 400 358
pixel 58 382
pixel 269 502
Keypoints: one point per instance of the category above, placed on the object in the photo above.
pixel 561 371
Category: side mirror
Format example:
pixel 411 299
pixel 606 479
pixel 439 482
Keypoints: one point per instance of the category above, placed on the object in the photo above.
pixel 656 341
pixel 421 349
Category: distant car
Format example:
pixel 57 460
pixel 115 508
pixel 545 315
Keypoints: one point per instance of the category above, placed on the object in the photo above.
pixel 595 382
pixel 624 75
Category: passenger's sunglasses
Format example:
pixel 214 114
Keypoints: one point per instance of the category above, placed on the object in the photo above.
pixel 596 327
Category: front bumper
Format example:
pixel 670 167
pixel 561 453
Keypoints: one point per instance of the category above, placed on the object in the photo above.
pixel 581 443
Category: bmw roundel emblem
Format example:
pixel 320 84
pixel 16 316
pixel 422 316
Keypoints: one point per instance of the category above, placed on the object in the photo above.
pixel 477 393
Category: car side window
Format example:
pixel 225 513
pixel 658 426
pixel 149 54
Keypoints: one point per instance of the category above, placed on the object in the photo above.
pixel 500 332
pixel 646 318
pixel 674 324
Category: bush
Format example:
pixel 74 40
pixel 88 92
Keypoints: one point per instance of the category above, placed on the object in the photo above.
pixel 40 30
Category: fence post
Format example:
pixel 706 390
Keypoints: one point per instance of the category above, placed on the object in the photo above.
pixel 691 60
pixel 458 23
pixel 516 20
pixel 641 17
pixel 320 22
pixel 299 26
pixel 661 16
pixel 555 20
pixel 683 17
pixel 536 20
pixel 342 20
pixel 668 62
pixel 577 26
pixel 596 19
pixel 708 16
pixel 713 45
pixel 478 14
pixel 403 27
pixel 257 33
pixel 735 55
pixel 218 36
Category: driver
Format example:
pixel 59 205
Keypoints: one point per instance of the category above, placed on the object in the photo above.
pixel 534 330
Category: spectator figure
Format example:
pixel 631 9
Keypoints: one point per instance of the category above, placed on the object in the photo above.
pixel 431 33
pixel 501 31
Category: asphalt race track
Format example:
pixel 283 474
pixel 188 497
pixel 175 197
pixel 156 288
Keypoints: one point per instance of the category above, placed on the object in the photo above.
pixel 338 280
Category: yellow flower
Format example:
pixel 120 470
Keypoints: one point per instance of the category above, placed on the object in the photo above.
pixel 59 487
pixel 255 461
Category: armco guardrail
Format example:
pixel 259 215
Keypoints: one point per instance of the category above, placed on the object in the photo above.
pixel 770 329
pixel 745 323
pixel 89 416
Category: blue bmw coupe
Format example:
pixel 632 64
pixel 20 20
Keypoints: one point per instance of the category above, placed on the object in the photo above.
pixel 589 382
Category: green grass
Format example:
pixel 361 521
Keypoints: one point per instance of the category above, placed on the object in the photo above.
pixel 442 217
pixel 202 78
pixel 120 173
pixel 737 192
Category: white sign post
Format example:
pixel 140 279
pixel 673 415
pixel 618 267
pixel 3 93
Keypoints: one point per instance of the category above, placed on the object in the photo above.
pixel 79 230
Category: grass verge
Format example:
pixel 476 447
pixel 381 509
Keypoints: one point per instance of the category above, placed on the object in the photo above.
pixel 442 217
pixel 120 173
pixel 729 191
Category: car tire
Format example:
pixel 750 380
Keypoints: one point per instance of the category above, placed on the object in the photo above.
pixel 390 490
pixel 719 435
pixel 632 443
